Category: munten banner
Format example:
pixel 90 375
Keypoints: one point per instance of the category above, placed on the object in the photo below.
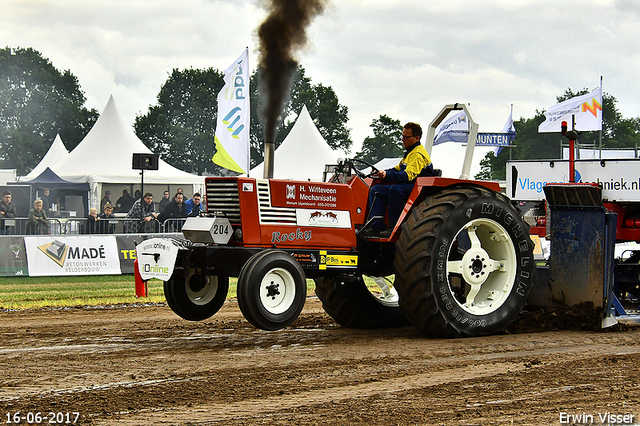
pixel 233 124
pixel 587 110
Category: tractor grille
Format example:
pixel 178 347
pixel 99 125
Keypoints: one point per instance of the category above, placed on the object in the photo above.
pixel 273 215
pixel 222 196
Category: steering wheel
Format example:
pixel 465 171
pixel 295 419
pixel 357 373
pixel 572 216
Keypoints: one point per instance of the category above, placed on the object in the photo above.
pixel 374 170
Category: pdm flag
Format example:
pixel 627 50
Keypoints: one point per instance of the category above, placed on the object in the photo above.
pixel 232 127
pixel 454 129
pixel 587 110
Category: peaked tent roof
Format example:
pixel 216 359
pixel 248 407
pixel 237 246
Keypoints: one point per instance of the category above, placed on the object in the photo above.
pixel 57 152
pixel 105 155
pixel 303 153
pixel 48 179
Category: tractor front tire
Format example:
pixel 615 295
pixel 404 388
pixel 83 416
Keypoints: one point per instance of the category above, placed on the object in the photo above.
pixel 196 297
pixel 272 290
pixel 352 305
pixel 464 263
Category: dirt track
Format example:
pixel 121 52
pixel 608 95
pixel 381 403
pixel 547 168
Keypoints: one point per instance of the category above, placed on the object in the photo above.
pixel 144 365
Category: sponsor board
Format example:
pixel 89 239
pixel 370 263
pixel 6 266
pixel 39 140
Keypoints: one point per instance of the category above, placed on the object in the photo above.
pixel 307 259
pixel 82 255
pixel 127 248
pixel 310 195
pixel 13 257
pixel 156 258
pixel 620 179
pixel 328 260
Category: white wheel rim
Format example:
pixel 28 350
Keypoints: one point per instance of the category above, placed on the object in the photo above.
pixel 277 291
pixel 485 275
pixel 204 295
pixel 384 292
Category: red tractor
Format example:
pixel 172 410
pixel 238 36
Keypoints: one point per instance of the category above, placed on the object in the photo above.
pixel 460 252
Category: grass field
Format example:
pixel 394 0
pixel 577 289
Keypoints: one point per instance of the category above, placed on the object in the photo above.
pixel 18 293
pixel 40 292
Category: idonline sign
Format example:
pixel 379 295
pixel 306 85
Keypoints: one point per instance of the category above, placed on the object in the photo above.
pixel 620 179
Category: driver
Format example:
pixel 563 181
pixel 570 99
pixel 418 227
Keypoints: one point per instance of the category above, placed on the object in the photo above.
pixel 397 183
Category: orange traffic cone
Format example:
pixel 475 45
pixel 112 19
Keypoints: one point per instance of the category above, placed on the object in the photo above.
pixel 141 285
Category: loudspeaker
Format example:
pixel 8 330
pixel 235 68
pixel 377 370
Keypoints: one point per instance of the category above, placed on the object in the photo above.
pixel 145 161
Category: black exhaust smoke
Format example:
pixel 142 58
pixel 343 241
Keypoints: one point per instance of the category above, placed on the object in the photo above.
pixel 281 34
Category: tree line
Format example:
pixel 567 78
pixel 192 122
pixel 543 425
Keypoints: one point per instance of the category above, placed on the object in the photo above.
pixel 37 101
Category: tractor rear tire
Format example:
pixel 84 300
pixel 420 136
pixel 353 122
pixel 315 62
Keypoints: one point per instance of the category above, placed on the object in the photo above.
pixel 464 263
pixel 272 290
pixel 196 297
pixel 352 305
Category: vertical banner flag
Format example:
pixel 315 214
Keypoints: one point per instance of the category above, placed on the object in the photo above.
pixel 501 139
pixel 232 127
pixel 510 130
pixel 587 110
pixel 454 129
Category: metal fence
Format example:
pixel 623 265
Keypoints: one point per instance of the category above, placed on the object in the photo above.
pixel 81 226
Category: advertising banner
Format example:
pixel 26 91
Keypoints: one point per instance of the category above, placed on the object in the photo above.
pixel 71 255
pixel 234 113
pixel 127 248
pixel 13 257
pixel 156 258
pixel 620 179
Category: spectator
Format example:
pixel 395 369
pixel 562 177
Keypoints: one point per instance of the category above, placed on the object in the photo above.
pixel 141 214
pixel 7 209
pixel 163 203
pixel 124 203
pixel 174 210
pixel 92 221
pixel 137 195
pixel 38 223
pixel 105 200
pixel 193 206
pixel 105 225
pixel 46 202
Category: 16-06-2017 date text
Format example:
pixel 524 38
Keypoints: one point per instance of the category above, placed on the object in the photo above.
pixel 37 417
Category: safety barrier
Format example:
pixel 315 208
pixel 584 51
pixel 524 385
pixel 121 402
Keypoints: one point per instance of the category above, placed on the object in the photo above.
pixel 81 226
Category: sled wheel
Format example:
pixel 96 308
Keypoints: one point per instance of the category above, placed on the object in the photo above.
pixel 272 290
pixel 197 296
pixel 464 263
pixel 353 304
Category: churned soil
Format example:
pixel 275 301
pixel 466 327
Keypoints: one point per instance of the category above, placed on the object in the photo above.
pixel 139 365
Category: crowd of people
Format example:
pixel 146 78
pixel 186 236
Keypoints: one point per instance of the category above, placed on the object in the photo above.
pixel 143 217
pixel 141 214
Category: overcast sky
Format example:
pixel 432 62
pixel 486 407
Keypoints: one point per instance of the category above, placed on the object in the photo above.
pixel 403 58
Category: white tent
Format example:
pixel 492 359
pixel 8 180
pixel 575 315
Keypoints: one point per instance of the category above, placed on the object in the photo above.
pixel 105 156
pixel 303 153
pixel 56 153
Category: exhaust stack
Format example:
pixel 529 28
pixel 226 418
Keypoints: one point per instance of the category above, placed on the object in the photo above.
pixel 269 154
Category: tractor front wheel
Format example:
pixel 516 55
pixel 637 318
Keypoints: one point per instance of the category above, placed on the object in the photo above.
pixel 464 263
pixel 272 289
pixel 196 297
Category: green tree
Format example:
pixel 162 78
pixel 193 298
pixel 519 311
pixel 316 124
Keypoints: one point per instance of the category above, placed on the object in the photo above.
pixel 181 126
pixel 385 142
pixel 37 102
pixel 617 132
